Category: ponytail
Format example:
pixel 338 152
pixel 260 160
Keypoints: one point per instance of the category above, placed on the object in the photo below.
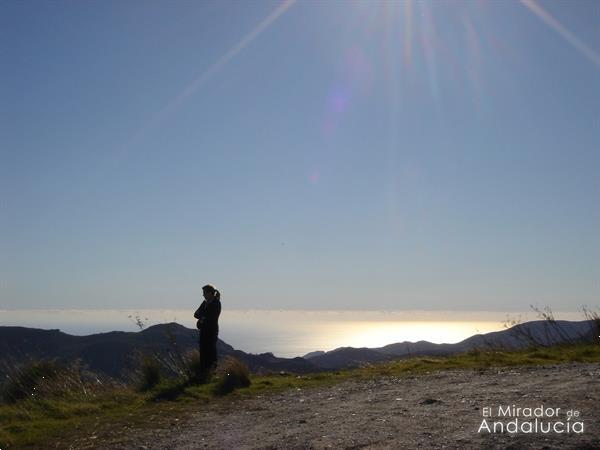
pixel 211 288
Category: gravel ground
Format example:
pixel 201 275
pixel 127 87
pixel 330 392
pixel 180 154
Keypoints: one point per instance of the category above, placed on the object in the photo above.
pixel 435 410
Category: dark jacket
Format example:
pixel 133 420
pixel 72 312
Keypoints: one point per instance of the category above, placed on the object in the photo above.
pixel 208 317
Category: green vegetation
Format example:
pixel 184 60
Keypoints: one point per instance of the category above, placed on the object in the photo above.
pixel 473 359
pixel 149 373
pixel 80 409
pixel 192 369
pixel 33 380
pixel 233 374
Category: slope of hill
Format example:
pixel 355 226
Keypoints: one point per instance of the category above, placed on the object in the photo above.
pixel 433 402
pixel 115 353
pixel 540 332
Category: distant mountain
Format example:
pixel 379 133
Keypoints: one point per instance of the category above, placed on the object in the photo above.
pixel 315 353
pixel 519 336
pixel 537 331
pixel 346 357
pixel 115 353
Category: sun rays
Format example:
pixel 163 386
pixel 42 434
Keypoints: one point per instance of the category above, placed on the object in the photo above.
pixel 566 34
pixel 409 46
pixel 192 88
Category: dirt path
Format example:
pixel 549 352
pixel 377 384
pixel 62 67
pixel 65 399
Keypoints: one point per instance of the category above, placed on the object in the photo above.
pixel 437 410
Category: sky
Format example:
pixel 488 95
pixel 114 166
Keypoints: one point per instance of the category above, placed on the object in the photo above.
pixel 300 155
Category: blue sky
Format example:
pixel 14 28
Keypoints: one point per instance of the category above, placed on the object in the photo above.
pixel 360 155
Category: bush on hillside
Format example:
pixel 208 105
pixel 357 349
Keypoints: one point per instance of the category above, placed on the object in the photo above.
pixel 149 373
pixel 231 374
pixel 193 373
pixel 43 379
pixel 27 381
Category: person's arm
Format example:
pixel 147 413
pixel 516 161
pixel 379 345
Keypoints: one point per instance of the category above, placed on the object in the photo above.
pixel 200 313
pixel 213 310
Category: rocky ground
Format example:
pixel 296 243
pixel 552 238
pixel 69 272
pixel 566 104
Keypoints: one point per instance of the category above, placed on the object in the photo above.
pixel 436 410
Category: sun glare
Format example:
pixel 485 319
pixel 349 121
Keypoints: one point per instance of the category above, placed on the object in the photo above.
pixel 378 334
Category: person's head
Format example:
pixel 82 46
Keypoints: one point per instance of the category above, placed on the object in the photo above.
pixel 210 292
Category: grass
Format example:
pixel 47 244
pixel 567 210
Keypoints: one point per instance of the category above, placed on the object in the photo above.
pixel 66 421
pixel 80 420
pixel 474 359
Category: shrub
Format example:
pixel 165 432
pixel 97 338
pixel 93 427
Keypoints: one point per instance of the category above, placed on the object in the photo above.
pixel 30 380
pixel 43 379
pixel 232 374
pixel 149 374
pixel 594 317
pixel 192 370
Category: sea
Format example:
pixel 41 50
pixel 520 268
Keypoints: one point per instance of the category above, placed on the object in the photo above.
pixel 288 333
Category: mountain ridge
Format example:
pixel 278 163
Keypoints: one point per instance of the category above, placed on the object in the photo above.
pixel 113 353
pixel 541 332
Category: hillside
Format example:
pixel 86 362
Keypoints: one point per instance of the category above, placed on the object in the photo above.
pixel 116 353
pixel 540 332
pixel 414 402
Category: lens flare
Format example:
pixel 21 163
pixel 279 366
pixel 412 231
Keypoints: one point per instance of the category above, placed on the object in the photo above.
pixel 549 20
pixel 174 104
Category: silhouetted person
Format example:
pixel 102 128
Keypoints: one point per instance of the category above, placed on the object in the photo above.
pixel 208 324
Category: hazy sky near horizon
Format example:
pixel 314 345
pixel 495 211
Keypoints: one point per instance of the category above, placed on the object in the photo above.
pixel 343 154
